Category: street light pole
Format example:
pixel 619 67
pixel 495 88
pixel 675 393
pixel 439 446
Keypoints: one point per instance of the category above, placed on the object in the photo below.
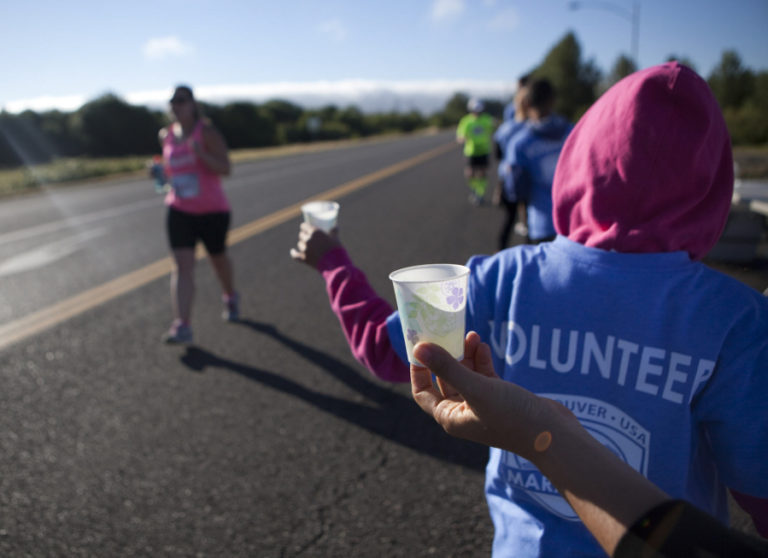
pixel 633 16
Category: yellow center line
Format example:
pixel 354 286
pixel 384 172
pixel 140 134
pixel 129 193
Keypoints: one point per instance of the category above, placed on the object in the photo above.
pixel 59 312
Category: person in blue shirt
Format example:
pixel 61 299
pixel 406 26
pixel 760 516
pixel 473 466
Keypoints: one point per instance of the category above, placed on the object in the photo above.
pixel 662 359
pixel 626 513
pixel 510 110
pixel 514 208
pixel 530 158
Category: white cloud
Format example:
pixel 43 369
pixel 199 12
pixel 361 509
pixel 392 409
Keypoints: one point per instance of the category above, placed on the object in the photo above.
pixel 505 20
pixel 443 10
pixel 369 95
pixel 67 103
pixel 334 29
pixel 166 47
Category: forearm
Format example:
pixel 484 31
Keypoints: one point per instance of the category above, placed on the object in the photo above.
pixel 217 164
pixel 604 491
pixel 362 315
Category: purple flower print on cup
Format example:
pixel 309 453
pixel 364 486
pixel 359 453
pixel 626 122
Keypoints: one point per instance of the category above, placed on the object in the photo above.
pixel 455 297
pixel 413 336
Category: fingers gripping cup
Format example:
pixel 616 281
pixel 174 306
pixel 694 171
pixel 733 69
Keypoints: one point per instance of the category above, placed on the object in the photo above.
pixel 321 214
pixel 432 302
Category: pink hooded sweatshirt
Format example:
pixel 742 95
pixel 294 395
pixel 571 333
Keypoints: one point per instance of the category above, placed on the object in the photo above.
pixel 662 181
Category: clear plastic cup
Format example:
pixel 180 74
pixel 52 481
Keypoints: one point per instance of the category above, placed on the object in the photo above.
pixel 321 214
pixel 432 302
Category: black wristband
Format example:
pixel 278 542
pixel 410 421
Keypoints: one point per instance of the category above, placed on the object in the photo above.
pixel 675 528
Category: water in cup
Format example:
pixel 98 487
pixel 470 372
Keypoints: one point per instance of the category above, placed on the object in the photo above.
pixel 431 301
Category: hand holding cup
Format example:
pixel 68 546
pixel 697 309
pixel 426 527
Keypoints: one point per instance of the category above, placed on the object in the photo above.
pixel 313 244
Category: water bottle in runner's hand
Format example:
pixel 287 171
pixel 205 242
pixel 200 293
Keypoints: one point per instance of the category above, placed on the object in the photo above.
pixel 158 173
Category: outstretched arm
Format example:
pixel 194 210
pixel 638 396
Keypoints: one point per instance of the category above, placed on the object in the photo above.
pixel 362 313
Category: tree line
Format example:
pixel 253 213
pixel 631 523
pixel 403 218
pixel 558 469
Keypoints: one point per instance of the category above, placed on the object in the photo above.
pixel 110 127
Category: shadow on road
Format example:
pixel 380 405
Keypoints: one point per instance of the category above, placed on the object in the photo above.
pixel 385 413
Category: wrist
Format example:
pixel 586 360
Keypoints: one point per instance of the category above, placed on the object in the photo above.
pixel 334 258
pixel 558 438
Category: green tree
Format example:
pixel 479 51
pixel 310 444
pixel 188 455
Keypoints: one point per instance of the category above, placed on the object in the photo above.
pixel 57 127
pixel 684 60
pixel 25 140
pixel 332 130
pixel 282 112
pixel 16 147
pixel 760 93
pixel 748 124
pixel 243 124
pixel 454 109
pixel 354 119
pixel 399 122
pixel 623 66
pixel 8 155
pixel 327 113
pixel 110 127
pixel 212 113
pixel 286 116
pixel 731 83
pixel 494 107
pixel 32 137
pixel 575 82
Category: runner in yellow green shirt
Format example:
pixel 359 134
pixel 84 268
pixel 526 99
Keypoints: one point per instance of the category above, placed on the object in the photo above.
pixel 475 131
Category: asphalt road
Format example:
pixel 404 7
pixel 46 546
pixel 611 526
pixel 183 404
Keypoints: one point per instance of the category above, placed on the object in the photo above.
pixel 265 438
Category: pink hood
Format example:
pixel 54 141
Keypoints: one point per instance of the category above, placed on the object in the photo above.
pixel 648 168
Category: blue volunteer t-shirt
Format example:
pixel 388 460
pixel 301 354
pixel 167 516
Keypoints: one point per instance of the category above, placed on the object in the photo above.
pixel 662 359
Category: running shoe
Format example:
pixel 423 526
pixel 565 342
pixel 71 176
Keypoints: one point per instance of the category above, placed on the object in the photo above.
pixel 231 312
pixel 178 333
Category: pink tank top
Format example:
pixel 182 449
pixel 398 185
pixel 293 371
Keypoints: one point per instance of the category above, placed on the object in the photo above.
pixel 194 188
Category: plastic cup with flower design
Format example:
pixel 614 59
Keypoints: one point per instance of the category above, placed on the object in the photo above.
pixel 321 214
pixel 432 301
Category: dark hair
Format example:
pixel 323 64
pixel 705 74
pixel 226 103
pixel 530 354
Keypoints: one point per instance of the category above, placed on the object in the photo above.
pixel 187 90
pixel 542 94
pixel 184 89
pixel 523 80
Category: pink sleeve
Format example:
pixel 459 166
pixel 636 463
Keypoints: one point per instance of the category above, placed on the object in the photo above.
pixel 363 316
pixel 757 508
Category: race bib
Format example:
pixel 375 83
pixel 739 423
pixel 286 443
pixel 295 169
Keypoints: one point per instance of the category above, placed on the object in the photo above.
pixel 186 185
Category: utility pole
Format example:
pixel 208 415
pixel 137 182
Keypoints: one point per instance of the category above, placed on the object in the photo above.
pixel 633 16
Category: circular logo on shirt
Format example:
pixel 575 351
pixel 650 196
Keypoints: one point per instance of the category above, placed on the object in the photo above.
pixel 616 430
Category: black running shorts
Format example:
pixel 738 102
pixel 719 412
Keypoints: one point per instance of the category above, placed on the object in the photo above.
pixel 185 229
pixel 478 161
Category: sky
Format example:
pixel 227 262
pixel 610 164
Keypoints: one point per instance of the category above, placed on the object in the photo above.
pixel 379 54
